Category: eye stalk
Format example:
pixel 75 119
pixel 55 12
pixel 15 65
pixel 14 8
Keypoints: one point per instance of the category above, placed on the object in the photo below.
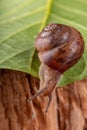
pixel 59 48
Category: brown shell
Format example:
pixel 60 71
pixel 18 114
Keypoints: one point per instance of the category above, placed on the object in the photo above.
pixel 59 46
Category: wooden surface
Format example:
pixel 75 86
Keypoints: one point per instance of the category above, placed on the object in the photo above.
pixel 67 111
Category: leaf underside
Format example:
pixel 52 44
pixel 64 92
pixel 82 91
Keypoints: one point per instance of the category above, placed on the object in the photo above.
pixel 20 22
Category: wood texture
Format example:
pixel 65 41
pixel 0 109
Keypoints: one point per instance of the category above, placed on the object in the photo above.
pixel 67 111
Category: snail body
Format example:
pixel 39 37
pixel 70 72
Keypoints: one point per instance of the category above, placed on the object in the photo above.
pixel 59 48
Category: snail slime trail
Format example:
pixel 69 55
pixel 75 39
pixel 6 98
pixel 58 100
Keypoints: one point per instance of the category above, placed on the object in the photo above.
pixel 59 48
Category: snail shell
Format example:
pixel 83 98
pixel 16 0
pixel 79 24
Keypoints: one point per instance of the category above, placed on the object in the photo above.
pixel 59 46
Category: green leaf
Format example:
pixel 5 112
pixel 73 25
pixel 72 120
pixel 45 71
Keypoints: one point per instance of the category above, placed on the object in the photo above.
pixel 20 22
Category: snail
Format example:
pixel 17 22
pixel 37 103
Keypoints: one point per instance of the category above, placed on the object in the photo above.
pixel 59 48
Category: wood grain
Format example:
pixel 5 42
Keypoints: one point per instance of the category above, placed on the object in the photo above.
pixel 67 111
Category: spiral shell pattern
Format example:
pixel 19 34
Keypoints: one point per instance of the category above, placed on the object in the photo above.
pixel 59 46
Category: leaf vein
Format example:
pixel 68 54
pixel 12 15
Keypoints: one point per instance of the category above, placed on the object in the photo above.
pixel 69 9
pixel 22 16
pixel 20 30
pixel 22 51
pixel 71 22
